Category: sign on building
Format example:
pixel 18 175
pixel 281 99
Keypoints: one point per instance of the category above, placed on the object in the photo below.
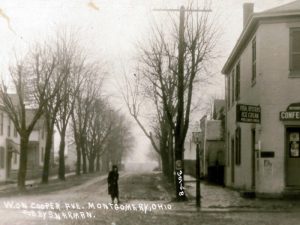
pixel 286 115
pixel 247 113
pixel 292 113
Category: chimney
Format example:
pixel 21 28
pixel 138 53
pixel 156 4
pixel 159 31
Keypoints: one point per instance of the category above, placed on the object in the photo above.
pixel 248 10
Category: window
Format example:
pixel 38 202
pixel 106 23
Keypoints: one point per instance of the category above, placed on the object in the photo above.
pixel 1 124
pixel 238 146
pixel 15 158
pixel 2 157
pixel 237 81
pixel 228 92
pixel 228 148
pixel 8 128
pixel 15 132
pixel 253 60
pixel 232 86
pixel 295 50
pixel 42 133
pixel 42 154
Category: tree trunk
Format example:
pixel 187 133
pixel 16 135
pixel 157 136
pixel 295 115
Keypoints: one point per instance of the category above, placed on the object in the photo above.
pixel 98 162
pixel 46 167
pixel 171 156
pixel 78 161
pixel 61 166
pixel 84 158
pixel 92 163
pixel 165 163
pixel 23 162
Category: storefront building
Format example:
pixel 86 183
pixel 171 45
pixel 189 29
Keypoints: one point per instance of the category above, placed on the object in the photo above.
pixel 263 103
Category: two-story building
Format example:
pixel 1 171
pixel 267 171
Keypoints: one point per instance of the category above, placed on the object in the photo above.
pixel 10 149
pixel 262 103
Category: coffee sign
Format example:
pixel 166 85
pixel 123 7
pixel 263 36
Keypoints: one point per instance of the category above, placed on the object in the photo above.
pixel 247 113
pixel 292 113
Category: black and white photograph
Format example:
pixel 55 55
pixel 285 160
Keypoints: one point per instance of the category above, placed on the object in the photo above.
pixel 142 112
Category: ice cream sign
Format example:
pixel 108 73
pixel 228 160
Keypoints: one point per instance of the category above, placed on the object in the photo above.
pixel 248 113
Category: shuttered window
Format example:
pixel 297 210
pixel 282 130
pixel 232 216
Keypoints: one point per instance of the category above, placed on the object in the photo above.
pixel 238 146
pixel 253 60
pixel 232 86
pixel 228 92
pixel 237 81
pixel 295 50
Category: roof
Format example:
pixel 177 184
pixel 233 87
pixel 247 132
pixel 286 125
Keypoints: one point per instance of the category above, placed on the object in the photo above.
pixel 289 10
pixel 290 7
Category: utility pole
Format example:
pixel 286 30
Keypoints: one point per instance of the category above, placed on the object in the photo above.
pixel 179 141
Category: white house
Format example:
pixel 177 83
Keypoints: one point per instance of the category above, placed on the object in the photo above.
pixel 10 149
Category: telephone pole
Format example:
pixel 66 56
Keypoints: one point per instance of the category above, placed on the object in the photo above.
pixel 179 141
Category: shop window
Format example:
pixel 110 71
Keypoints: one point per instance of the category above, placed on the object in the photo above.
pixel 2 155
pixel 237 81
pixel 295 51
pixel 238 146
pixel 253 61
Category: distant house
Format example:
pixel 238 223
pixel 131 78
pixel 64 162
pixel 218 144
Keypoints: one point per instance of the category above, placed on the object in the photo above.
pixel 213 145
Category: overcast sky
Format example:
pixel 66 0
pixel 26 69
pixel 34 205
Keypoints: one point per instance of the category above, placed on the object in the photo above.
pixel 110 29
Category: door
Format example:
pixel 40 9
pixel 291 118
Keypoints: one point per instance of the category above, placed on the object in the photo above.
pixel 292 157
pixel 232 160
pixel 253 134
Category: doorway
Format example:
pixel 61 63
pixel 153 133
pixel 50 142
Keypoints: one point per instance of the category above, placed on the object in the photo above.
pixel 8 163
pixel 292 156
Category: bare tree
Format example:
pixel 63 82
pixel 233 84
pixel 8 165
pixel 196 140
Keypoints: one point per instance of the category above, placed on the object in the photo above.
pixel 89 92
pixel 50 112
pixel 120 141
pixel 72 67
pixel 99 129
pixel 173 74
pixel 30 78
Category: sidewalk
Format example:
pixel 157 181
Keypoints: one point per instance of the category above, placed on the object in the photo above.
pixel 4 186
pixel 218 198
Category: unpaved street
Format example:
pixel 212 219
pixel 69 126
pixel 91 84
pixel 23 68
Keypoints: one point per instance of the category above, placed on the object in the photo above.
pixel 145 199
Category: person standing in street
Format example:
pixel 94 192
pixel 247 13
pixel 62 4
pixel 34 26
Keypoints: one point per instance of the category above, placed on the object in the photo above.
pixel 112 181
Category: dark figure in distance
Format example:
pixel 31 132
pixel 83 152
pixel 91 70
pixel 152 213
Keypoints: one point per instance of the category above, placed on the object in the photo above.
pixel 112 181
